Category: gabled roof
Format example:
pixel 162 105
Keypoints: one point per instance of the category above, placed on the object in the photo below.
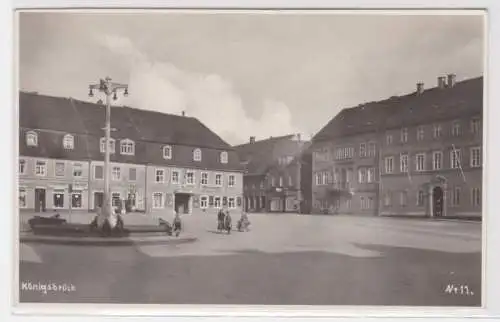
pixel 436 104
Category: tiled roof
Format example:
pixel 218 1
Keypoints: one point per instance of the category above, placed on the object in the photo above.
pixel 53 117
pixel 435 104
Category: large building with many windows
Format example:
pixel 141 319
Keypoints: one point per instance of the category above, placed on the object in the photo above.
pixel 419 154
pixel 158 161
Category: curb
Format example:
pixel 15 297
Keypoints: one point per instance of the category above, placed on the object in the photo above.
pixel 105 241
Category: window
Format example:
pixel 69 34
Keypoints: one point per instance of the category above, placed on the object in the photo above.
pixel 348 203
pixel 111 145
pixel 189 177
pixel 455 159
pixel 456 197
pixel 456 128
pixel 231 180
pixel 167 152
pixel 290 182
pixel 77 170
pixel 476 197
pixel 223 157
pixel 68 142
pixel 281 179
pixel 175 177
pixel 404 163
pixel 262 184
pixel 58 198
pixel 23 196
pixel 22 166
pixel 204 178
pixel 437 131
pixel 475 126
pixel 76 199
pixel 116 173
pixel 388 199
pixel 218 179
pixel 344 153
pixel 160 176
pixel 389 164
pixel 132 174
pixel 318 179
pixel 372 149
pixel 197 155
pixel 217 203
pixel 231 202
pixel 437 160
pixel 31 138
pixel 116 199
pixel 59 169
pixel 420 198
pixel 361 175
pixel 204 202
pixel 420 165
pixel 98 172
pixel 158 201
pixel 403 198
pixel 127 147
pixel 371 174
pixel 420 133
pixel 404 135
pixel 475 157
pixel 362 150
pixel 363 203
pixel 41 168
pixel 388 139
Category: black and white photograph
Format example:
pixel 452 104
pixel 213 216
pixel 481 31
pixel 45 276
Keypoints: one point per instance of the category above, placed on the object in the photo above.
pixel 257 157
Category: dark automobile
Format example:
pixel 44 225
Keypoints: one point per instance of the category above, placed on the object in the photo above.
pixel 52 220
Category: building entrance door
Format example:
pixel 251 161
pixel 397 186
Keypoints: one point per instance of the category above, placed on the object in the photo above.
pixel 40 200
pixel 182 203
pixel 98 200
pixel 437 201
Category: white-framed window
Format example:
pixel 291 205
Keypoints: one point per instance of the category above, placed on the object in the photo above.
pixel 318 179
pixel 127 147
pixel 475 157
pixel 76 199
pixel 77 170
pixel 475 125
pixel 403 163
pixel 476 197
pixel 116 173
pixel 231 180
pixel 116 199
pixel 111 145
pixel 455 158
pixel 204 202
pixel 197 155
pixel 403 198
pixel 58 198
pixel 41 168
pixel 68 142
pixel 456 129
pixel 223 157
pixel 281 179
pixel 404 135
pixel 175 177
pixel 190 177
pixel 22 166
pixel 420 133
pixel 31 138
pixel 160 175
pixel 420 198
pixel 371 175
pixel 437 129
pixel 388 139
pixel 362 175
pixel 362 150
pixel 388 199
pixel 231 202
pixel 204 178
pixel 372 149
pixel 389 164
pixel 437 160
pixel 132 174
pixel 59 169
pixel 158 200
pixel 98 172
pixel 455 201
pixel 420 162
pixel 167 152
pixel 23 198
pixel 217 202
pixel 218 179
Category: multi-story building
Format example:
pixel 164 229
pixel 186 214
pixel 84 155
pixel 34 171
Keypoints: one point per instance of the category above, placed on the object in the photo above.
pixel 158 161
pixel 277 177
pixel 418 154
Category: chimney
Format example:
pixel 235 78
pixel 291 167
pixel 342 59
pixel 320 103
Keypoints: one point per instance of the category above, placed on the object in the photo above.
pixel 451 80
pixel 183 113
pixel 441 82
pixel 420 88
pixel 252 139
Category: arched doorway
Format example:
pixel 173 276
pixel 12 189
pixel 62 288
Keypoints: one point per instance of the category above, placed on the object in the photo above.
pixel 437 201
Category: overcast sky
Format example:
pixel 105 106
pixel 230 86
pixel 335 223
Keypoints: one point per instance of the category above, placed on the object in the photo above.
pixel 247 74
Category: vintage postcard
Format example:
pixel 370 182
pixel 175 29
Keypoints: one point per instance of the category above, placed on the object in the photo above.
pixel 320 158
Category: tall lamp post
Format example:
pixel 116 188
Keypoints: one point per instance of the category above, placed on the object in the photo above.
pixel 108 88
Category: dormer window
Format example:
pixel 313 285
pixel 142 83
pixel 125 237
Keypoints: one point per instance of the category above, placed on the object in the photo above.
pixel 223 157
pixel 197 155
pixel 167 152
pixel 111 145
pixel 31 138
pixel 68 142
pixel 127 147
